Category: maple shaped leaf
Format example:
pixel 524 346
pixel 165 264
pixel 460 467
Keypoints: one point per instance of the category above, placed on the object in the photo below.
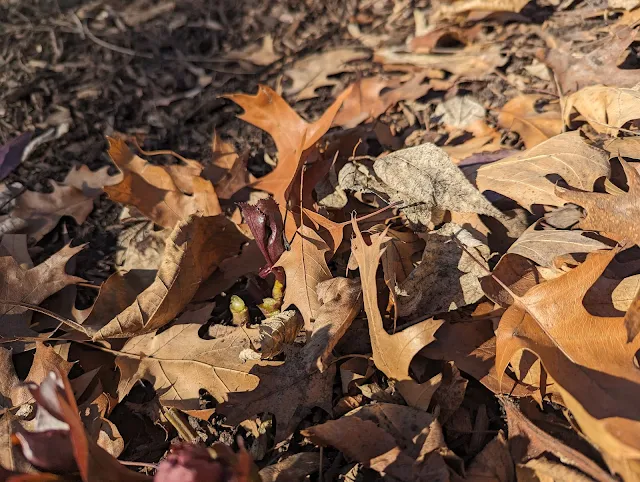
pixel 31 286
pixel 599 66
pixel 587 356
pixel 610 213
pixel 165 195
pixel 291 134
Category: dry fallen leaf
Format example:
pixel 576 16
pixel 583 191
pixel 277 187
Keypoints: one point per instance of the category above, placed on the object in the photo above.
pixel 524 177
pixel 193 251
pixel 165 195
pixel 305 266
pixel 604 108
pixel 367 102
pixel 13 391
pixel 544 246
pixel 520 115
pixel 315 71
pixel 610 213
pixel 291 134
pixel 447 278
pixel 292 469
pixel 473 61
pixel 42 211
pixel 460 112
pixel 528 442
pixel 286 390
pixel 392 354
pixel 258 54
pixel 599 66
pixel 228 170
pixel 587 356
pixel 423 178
pixel 341 300
pixel 404 442
pixel 31 286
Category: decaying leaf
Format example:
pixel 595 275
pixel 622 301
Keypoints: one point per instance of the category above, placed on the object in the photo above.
pixel 599 66
pixel 447 277
pixel 278 330
pixel 193 251
pixel 460 112
pixel 524 177
pixel 423 178
pixel 305 266
pixel 314 71
pixel 610 213
pixel 520 115
pixel 341 300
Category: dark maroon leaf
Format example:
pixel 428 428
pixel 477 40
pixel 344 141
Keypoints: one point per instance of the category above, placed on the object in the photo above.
pixel 265 222
pixel 11 153
pixel 50 450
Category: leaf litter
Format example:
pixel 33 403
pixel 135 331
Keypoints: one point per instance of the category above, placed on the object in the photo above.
pixel 412 256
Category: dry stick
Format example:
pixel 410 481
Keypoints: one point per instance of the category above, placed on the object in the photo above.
pixel 177 420
pixel 73 324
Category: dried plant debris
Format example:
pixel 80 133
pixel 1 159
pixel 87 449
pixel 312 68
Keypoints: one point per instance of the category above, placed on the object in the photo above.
pixel 395 240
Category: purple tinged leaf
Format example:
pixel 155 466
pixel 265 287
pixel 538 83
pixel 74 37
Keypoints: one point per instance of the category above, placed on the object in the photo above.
pixel 265 222
pixel 11 153
pixel 50 450
pixel 189 463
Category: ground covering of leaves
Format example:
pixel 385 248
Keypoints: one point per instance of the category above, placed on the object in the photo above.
pixel 363 240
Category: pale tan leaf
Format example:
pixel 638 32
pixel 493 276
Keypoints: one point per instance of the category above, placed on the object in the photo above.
pixel 525 177
pixel 520 115
pixel 604 108
pixel 305 267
